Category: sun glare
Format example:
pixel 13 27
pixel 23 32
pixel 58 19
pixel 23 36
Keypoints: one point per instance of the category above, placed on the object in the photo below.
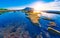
pixel 38 6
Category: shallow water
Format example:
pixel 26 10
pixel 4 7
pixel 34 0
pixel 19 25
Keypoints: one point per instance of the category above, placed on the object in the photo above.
pixel 10 22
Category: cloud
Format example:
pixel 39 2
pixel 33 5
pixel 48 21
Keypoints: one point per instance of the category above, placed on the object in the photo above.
pixel 40 5
pixel 46 6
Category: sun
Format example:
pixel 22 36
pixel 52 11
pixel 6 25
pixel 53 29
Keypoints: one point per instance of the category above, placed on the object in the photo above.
pixel 38 6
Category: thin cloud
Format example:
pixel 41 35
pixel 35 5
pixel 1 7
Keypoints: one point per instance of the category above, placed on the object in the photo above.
pixel 40 5
pixel 46 6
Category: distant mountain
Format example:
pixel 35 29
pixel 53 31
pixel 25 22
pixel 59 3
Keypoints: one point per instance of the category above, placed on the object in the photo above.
pixel 54 12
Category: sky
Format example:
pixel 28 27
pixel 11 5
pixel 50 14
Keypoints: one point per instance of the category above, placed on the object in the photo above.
pixel 36 4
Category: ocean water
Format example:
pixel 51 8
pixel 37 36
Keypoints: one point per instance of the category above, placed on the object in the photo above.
pixel 16 20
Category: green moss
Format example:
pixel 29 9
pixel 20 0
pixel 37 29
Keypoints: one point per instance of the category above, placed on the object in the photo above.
pixel 53 30
pixel 3 9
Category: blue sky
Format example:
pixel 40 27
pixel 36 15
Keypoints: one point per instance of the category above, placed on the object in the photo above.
pixel 42 4
pixel 10 3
